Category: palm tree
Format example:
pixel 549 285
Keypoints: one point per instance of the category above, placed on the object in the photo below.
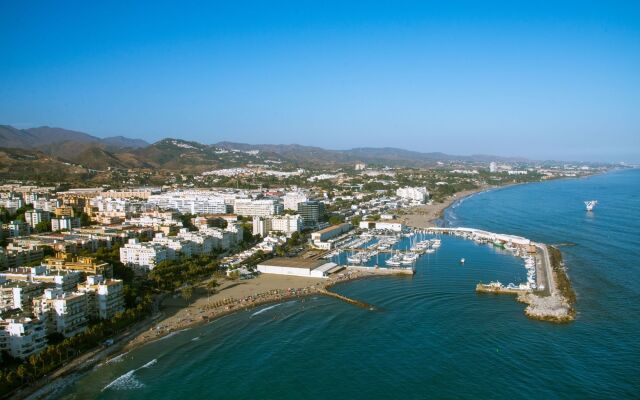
pixel 186 293
pixel 22 372
pixel 33 360
pixel 211 287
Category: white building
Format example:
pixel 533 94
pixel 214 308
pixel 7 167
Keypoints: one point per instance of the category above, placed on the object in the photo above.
pixel 146 255
pixel 201 243
pixel 517 172
pixel 287 224
pixel 190 202
pixel 388 225
pixel 22 336
pixel 105 297
pixel 493 167
pixel 415 194
pixel 324 238
pixel 34 217
pixel 12 203
pixel 174 245
pixel 297 267
pixel 65 312
pixel 155 219
pixel 64 223
pixel 292 199
pixel 257 208
pixel 18 294
pixel 16 229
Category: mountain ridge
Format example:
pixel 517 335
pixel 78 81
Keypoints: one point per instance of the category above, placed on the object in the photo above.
pixel 184 155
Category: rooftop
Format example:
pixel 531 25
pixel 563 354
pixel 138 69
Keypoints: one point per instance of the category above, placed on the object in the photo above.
pixel 293 262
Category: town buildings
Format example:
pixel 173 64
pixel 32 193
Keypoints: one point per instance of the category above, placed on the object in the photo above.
pixel 143 255
pixel 292 199
pixel 414 194
pixel 257 208
pixel 285 224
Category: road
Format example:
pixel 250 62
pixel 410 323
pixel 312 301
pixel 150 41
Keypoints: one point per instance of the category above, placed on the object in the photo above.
pixel 544 272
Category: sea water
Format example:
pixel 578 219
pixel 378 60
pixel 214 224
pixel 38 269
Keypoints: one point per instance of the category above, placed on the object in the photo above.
pixel 431 335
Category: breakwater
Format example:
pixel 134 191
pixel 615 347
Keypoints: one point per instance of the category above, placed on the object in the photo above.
pixel 548 295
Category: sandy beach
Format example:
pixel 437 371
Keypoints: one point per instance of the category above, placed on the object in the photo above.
pixel 425 216
pixel 231 296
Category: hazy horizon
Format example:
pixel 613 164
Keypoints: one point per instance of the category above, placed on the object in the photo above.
pixel 546 81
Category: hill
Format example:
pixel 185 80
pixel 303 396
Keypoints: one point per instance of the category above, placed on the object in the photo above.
pixel 40 137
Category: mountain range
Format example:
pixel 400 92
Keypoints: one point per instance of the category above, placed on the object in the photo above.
pixel 84 150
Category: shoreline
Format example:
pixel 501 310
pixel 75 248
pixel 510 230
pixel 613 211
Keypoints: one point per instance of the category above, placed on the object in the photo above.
pixel 424 216
pixel 171 324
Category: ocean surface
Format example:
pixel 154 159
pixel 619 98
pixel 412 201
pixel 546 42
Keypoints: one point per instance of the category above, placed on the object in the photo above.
pixel 433 336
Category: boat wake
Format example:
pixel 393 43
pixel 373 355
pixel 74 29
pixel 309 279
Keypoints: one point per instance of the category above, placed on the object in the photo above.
pixel 128 381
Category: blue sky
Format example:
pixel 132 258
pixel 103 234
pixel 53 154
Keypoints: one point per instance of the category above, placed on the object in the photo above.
pixel 543 79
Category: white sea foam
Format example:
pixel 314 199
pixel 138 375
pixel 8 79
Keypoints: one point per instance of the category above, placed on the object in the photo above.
pixel 129 381
pixel 116 359
pixel 150 363
pixel 264 309
pixel 125 382
pixel 195 339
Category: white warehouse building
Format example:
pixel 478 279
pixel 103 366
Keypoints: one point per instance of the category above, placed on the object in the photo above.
pixel 298 267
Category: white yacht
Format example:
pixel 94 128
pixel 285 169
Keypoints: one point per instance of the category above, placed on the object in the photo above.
pixel 590 204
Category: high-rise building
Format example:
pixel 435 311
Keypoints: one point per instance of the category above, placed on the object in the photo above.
pixel 311 212
pixel 34 217
pixel 23 336
pixel 105 297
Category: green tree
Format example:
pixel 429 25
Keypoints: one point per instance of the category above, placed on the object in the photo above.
pixel 85 220
pixel 187 293
pixel 34 360
pixel 43 226
pixel 22 372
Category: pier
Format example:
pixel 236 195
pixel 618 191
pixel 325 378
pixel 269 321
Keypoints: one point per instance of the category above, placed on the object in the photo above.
pixel 347 299
pixel 383 270
pixel 383 251
pixel 498 288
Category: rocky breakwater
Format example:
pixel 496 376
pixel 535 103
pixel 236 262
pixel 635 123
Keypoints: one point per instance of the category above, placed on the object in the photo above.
pixel 556 304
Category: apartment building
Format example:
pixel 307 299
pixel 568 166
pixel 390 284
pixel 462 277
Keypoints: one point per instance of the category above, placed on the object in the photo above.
pixel 257 208
pixel 105 297
pixel 65 312
pixel 145 255
pixel 21 336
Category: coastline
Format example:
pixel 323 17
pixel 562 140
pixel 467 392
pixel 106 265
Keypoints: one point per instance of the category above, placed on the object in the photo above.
pixel 427 215
pixel 175 317
pixel 203 310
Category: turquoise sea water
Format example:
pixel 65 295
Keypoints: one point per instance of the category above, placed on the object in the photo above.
pixel 433 337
